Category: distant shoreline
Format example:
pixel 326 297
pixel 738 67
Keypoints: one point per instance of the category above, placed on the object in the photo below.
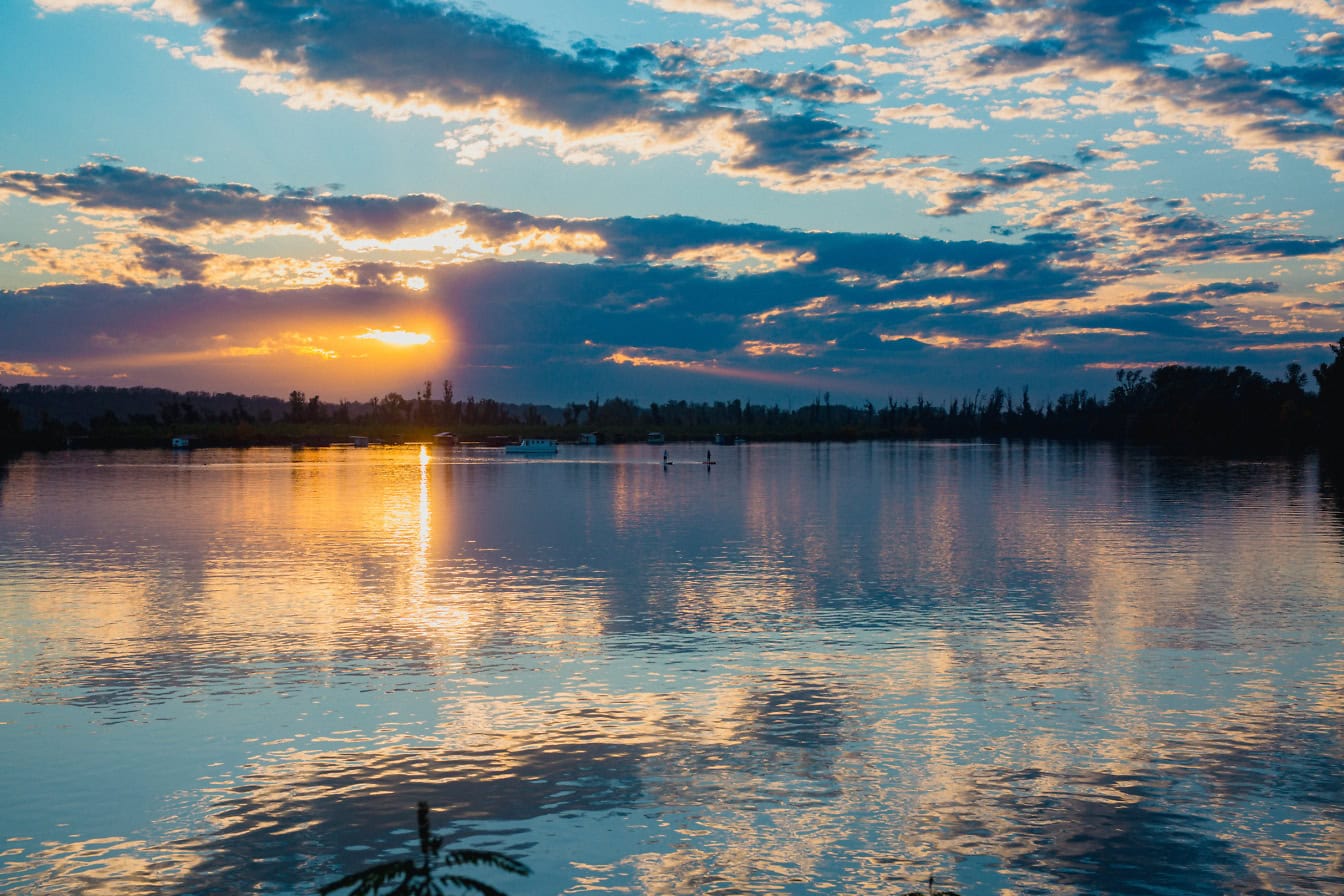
pixel 1201 409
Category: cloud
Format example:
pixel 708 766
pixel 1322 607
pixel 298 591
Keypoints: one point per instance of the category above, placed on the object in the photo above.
pixel 1133 139
pixel 1241 38
pixel 1266 162
pixel 857 307
pixel 722 9
pixel 823 87
pixel 1325 10
pixel 726 9
pixel 176 264
pixel 1116 56
pixel 497 83
pixel 1039 108
pixel 1330 45
pixel 932 115
pixel 22 370
pixel 179 227
pixel 980 186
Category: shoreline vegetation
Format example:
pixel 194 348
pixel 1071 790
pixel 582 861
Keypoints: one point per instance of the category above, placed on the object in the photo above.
pixel 1205 409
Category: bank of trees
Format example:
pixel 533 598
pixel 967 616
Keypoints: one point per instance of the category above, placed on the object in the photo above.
pixel 1200 408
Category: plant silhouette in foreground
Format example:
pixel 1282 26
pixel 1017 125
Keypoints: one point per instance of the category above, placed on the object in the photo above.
pixel 432 875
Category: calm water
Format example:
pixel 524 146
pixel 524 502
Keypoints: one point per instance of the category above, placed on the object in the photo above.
pixel 807 669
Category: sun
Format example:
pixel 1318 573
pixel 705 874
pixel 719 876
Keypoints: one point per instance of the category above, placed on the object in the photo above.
pixel 416 283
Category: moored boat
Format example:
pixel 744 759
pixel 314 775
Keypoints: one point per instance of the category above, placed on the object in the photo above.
pixel 533 446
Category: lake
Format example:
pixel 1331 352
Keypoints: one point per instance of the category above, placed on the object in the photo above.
pixel 1014 668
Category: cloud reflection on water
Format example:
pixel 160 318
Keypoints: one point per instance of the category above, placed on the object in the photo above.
pixel 1056 669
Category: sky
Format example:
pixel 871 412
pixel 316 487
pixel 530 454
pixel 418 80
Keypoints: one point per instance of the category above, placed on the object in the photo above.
pixel 767 200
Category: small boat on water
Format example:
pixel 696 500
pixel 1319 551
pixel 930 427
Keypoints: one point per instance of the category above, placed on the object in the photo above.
pixel 656 438
pixel 533 446
pixel 445 439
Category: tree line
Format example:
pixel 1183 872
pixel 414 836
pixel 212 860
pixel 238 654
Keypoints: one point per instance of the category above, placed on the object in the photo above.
pixel 1195 407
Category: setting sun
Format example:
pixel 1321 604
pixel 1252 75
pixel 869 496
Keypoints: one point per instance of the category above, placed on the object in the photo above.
pixel 398 338
pixel 416 283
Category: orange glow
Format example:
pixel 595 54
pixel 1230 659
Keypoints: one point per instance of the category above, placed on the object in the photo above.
pixel 397 338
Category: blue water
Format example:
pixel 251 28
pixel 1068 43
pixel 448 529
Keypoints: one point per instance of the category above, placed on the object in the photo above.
pixel 806 669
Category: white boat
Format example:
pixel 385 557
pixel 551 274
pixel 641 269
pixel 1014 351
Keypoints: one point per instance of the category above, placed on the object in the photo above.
pixel 532 446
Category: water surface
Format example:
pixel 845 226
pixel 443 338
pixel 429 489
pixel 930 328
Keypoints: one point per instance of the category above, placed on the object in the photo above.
pixel 805 669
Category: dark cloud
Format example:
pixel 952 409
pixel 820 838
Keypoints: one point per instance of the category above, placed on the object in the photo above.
pixel 805 86
pixel 798 145
pixel 1193 236
pixel 985 183
pixel 1329 46
pixel 164 201
pixel 1220 290
pixel 441 53
pixel 703 293
pixel 164 257
pixel 384 217
pixel 1026 56
pixel 413 56
pixel 178 204
pixel 170 203
pixel 510 319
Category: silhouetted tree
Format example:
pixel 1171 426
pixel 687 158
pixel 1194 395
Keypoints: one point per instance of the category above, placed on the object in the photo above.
pixel 448 408
pixel 11 425
pixel 1330 384
pixel 297 406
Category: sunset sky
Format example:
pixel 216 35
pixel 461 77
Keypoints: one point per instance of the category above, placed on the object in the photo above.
pixel 700 199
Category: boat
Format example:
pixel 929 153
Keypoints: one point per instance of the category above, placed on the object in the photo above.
pixel 533 446
pixel 656 438
pixel 445 439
